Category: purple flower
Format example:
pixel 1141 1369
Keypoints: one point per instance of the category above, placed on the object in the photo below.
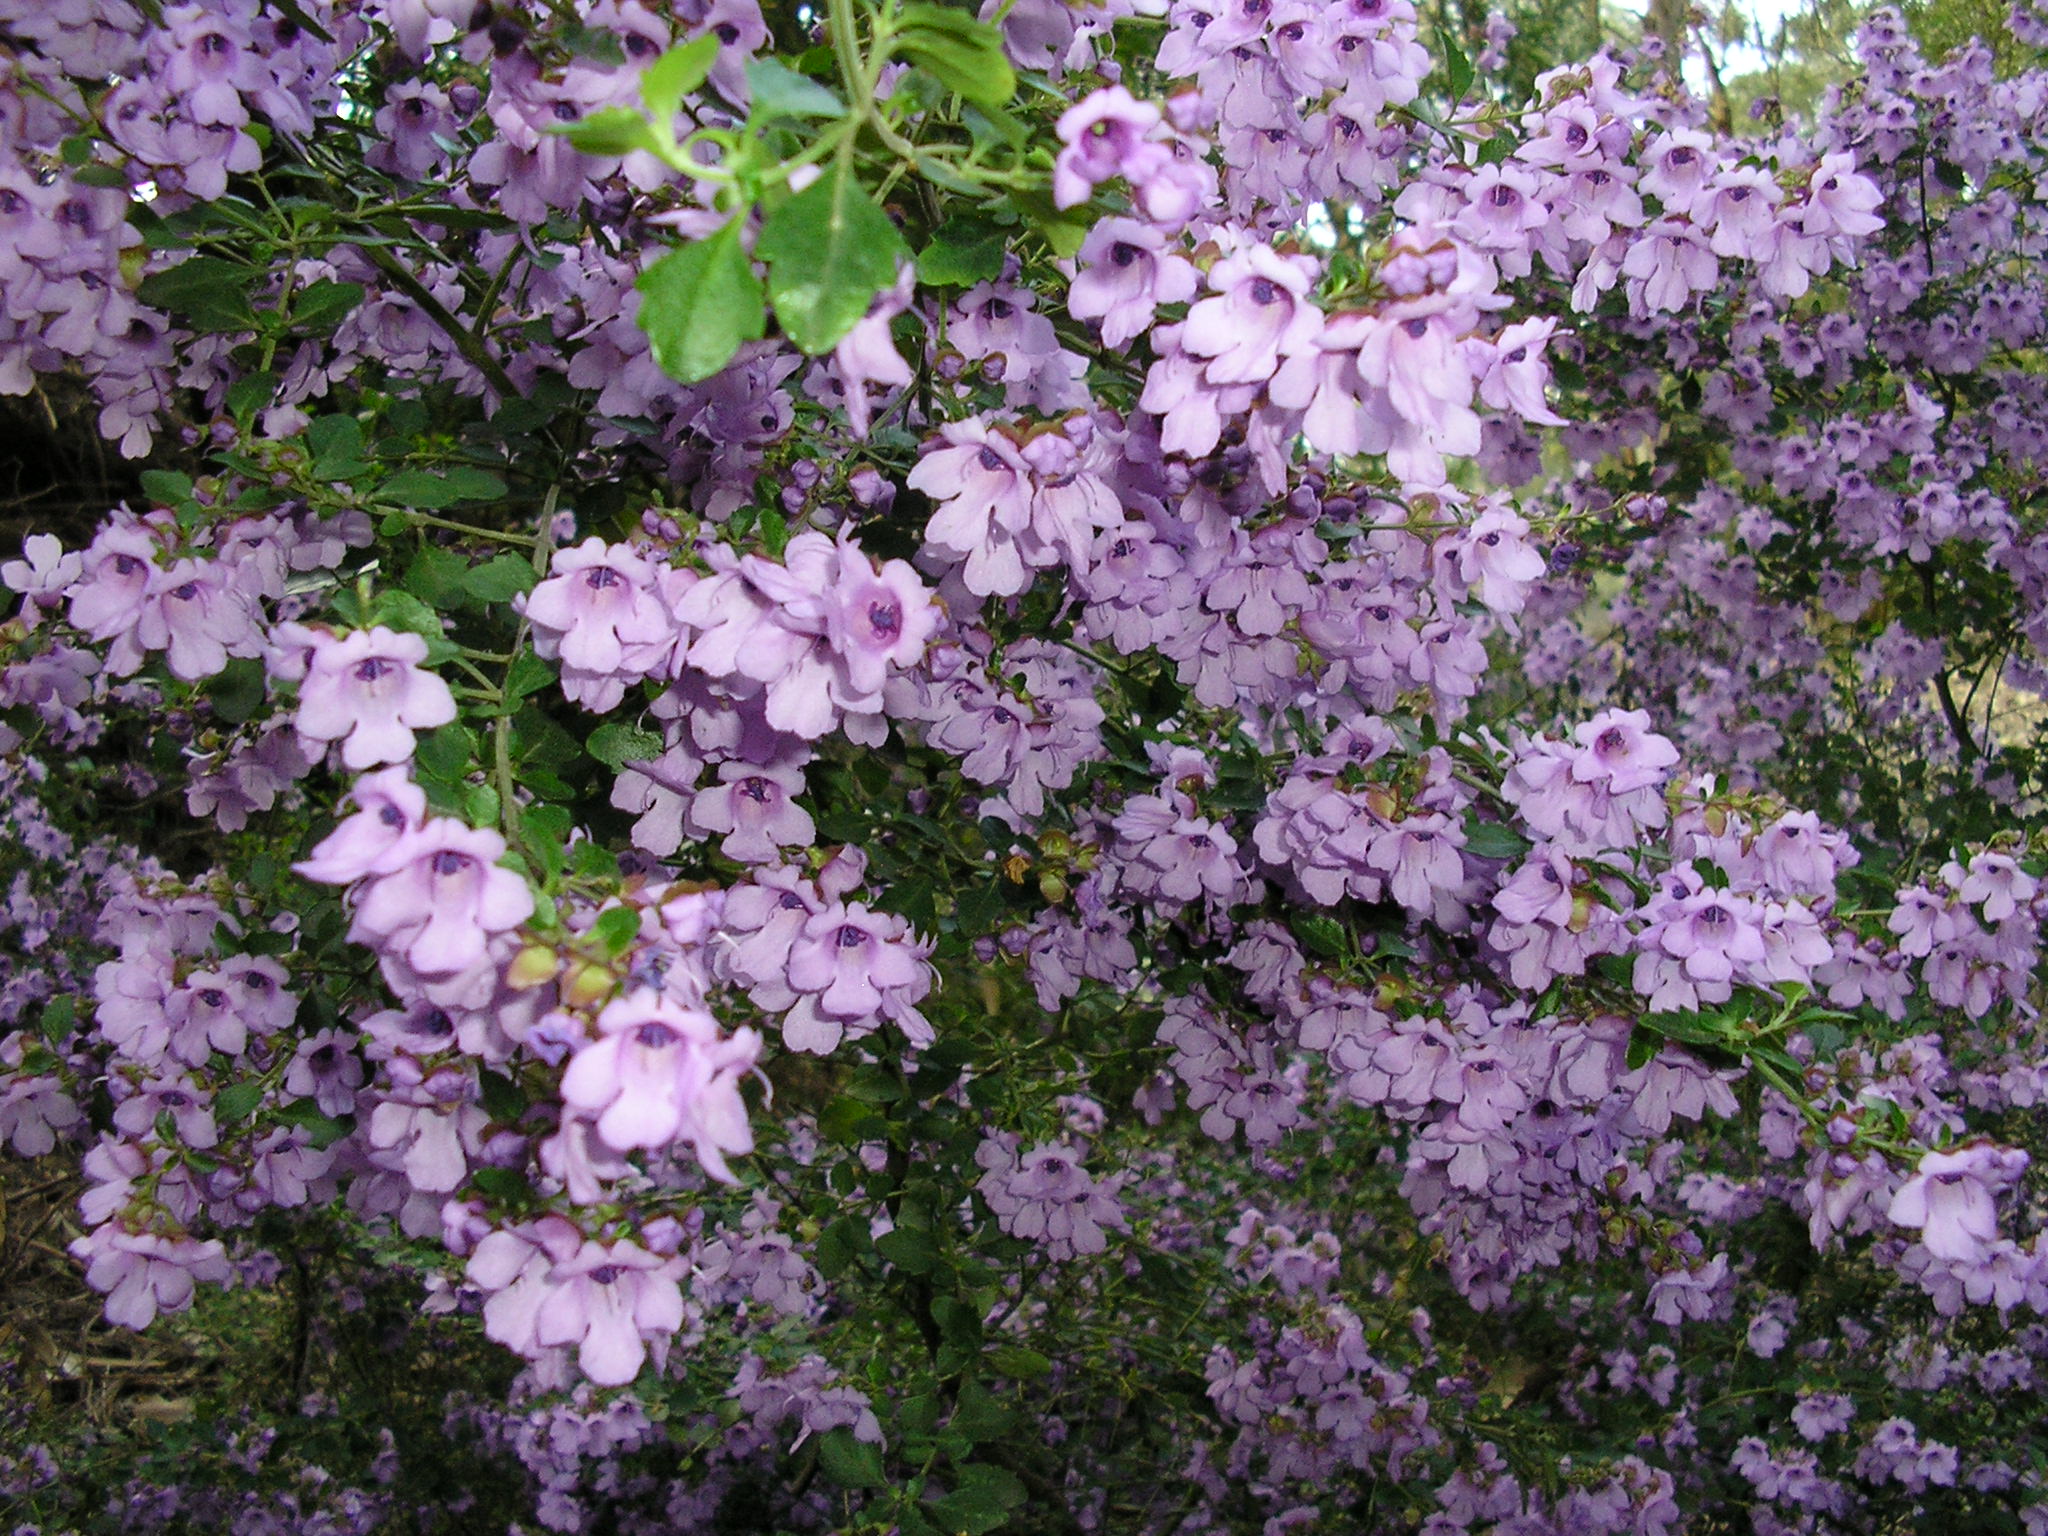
pixel 1126 273
pixel 853 969
pixel 659 1074
pixel 376 840
pixel 1619 752
pixel 325 1070
pixel 1045 1196
pixel 1261 313
pixel 611 1301
pixel 1951 1199
pixel 43 576
pixel 753 805
pixel 144 1273
pixel 366 691
pixel 601 612
pixel 440 898
pixel 1105 135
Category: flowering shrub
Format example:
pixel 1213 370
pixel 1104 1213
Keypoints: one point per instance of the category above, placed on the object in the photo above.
pixel 933 761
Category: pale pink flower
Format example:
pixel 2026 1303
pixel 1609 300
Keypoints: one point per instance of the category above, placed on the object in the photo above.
pixel 366 691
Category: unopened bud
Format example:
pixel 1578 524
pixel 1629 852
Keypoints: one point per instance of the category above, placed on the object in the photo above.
pixel 589 983
pixel 1582 913
pixel 533 966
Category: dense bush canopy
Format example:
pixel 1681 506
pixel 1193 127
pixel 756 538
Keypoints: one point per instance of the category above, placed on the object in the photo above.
pixel 1128 767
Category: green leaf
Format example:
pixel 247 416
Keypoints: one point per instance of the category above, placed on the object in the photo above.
pixel 166 486
pixel 324 305
pixel 505 1185
pixel 616 745
pixel 1457 68
pixel 980 1414
pixel 502 1097
pixel 236 691
pixel 616 928
pixel 447 754
pixel 545 829
pixel 206 292
pixel 839 1245
pixel 528 674
pixel 1498 149
pixel 250 393
pixel 304 1112
pixel 1321 934
pixel 398 609
pixel 237 1102
pixel 1494 840
pixel 438 577
pixel 909 1250
pixel 849 1462
pixel 699 304
pixel 829 250
pixel 779 91
pixel 611 131
pixel 1062 228
pixel 965 54
pixel 337 444
pixel 423 488
pixel 847 1121
pixel 1022 1364
pixel 675 74
pixel 597 44
pixel 1643 1045
pixel 982 1499
pixel 60 1016
pixel 501 579
pixel 964 251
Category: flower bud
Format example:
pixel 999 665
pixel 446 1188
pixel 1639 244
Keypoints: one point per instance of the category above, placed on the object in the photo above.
pixel 533 966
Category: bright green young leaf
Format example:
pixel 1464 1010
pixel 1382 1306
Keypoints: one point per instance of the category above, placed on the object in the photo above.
pixel 779 91
pixel 675 74
pixel 617 928
pixel 830 250
pixel 699 304
pixel 612 131
pixel 966 54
